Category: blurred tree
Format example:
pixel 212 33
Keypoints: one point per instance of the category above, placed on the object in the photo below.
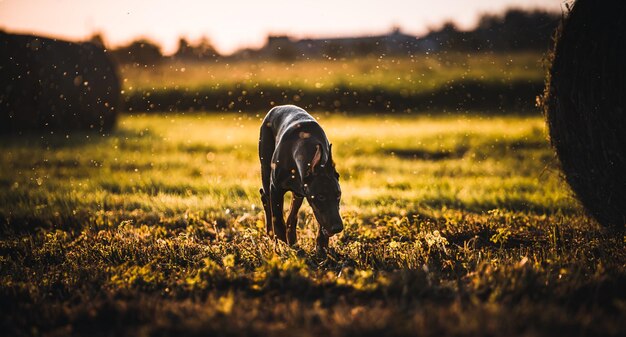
pixel 97 39
pixel 281 48
pixel 447 37
pixel 515 29
pixel 141 51
pixel 204 50
pixel 184 49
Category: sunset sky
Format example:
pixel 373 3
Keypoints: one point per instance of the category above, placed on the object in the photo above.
pixel 231 25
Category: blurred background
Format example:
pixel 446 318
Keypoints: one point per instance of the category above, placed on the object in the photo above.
pixel 349 57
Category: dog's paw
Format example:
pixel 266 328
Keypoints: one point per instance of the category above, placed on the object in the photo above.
pixel 321 252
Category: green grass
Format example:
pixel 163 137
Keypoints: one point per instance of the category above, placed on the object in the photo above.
pixel 408 75
pixel 454 225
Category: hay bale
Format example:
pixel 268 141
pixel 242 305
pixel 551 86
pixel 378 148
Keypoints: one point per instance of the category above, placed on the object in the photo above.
pixel 585 105
pixel 52 85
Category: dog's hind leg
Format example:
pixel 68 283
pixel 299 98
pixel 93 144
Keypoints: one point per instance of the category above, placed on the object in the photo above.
pixel 292 219
pixel 266 151
pixel 267 210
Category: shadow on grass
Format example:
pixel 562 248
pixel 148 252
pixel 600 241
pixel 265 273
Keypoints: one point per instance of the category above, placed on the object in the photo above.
pixel 424 154
pixel 517 96
pixel 66 140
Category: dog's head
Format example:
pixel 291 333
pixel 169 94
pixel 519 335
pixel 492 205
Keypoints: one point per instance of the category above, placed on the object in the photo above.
pixel 321 187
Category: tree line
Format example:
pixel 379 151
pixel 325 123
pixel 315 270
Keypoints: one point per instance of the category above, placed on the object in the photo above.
pixel 514 30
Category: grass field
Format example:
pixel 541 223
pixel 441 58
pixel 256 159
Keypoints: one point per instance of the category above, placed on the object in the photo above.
pixel 413 74
pixel 454 225
pixel 505 82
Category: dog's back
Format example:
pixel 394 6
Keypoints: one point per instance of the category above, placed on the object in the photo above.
pixel 285 118
pixel 288 132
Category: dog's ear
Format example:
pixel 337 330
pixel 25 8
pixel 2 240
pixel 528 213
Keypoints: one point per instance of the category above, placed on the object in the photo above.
pixel 330 164
pixel 317 157
pixel 330 157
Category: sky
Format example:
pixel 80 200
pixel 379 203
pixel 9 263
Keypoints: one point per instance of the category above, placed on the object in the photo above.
pixel 231 25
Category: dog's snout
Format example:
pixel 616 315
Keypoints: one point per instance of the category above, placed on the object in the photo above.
pixel 336 228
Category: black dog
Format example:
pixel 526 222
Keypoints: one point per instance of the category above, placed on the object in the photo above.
pixel 296 156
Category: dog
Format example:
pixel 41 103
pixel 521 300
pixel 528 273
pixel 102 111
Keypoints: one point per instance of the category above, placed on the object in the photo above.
pixel 296 156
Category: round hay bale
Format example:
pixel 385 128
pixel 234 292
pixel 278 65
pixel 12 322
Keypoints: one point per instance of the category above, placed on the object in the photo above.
pixel 52 85
pixel 585 105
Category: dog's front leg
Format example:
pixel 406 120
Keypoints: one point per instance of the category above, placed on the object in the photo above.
pixel 277 198
pixel 292 219
pixel 321 242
